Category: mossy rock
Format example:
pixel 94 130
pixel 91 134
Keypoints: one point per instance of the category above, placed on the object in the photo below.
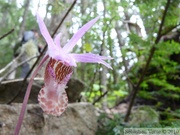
pixel 144 115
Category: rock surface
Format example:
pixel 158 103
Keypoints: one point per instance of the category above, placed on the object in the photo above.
pixel 9 89
pixel 78 119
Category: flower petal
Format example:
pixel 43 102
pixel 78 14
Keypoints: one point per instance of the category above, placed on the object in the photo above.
pixel 57 71
pixel 52 97
pixel 70 45
pixel 53 102
pixel 57 40
pixel 44 31
pixel 54 51
pixel 91 58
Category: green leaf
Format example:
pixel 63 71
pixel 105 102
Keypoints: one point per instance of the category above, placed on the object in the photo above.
pixel 88 47
pixel 96 87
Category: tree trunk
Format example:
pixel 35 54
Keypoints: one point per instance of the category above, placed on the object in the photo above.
pixel 103 72
pixel 22 26
pixel 125 62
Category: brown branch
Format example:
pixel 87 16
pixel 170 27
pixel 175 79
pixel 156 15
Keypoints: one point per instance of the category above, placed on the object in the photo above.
pixel 6 34
pixel 68 11
pixel 43 51
pixel 100 97
pixel 10 71
pixel 136 88
pixel 170 29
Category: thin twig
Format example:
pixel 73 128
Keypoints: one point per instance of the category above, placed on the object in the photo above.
pixel 7 66
pixel 100 97
pixel 136 88
pixel 10 71
pixel 6 34
pixel 12 62
pixel 170 29
pixel 68 11
pixel 43 51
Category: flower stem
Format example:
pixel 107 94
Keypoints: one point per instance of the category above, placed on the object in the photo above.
pixel 26 97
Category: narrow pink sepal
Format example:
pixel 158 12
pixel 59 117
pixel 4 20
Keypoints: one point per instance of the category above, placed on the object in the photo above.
pixel 91 58
pixel 44 31
pixel 70 45
pixel 54 51
pixel 57 40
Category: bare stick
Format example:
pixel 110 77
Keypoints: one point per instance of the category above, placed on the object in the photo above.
pixel 7 66
pixel 67 13
pixel 4 77
pixel 100 97
pixel 3 36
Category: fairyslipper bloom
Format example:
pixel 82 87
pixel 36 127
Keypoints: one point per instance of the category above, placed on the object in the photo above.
pixel 52 97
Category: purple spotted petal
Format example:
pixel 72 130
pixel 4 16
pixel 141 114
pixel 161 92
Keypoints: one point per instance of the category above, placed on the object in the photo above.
pixel 52 97
pixel 70 45
pixel 91 58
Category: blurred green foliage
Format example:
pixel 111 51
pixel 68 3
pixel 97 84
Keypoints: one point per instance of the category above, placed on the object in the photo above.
pixel 11 18
pixel 110 124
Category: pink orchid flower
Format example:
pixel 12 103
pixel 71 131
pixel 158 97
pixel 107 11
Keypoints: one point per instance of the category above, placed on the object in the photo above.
pixel 52 97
